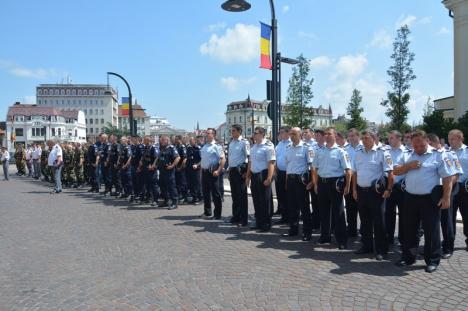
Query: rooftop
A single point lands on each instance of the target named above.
(34, 110)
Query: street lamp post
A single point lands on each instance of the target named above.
(130, 105)
(240, 6)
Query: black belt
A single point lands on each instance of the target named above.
(298, 176)
(259, 173)
(365, 189)
(329, 179)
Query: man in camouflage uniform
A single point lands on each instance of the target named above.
(20, 157)
(68, 160)
(85, 163)
(44, 167)
(78, 161)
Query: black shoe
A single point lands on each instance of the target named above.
(430, 268)
(231, 220)
(217, 217)
(132, 199)
(154, 204)
(244, 225)
(115, 194)
(265, 229)
(380, 257)
(341, 246)
(172, 207)
(447, 255)
(306, 237)
(323, 241)
(362, 251)
(404, 263)
(291, 233)
(91, 190)
(281, 221)
(164, 204)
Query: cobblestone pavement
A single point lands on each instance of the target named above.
(78, 251)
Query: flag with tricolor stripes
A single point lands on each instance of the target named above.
(125, 106)
(265, 34)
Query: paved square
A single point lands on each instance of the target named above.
(78, 251)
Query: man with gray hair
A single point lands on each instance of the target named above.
(55, 162)
(5, 159)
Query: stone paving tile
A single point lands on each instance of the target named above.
(79, 251)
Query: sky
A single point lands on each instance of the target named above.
(186, 60)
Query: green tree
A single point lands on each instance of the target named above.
(112, 129)
(401, 74)
(354, 110)
(299, 95)
(462, 125)
(435, 123)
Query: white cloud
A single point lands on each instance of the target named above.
(216, 27)
(233, 84)
(350, 66)
(22, 72)
(320, 61)
(285, 8)
(381, 40)
(307, 35)
(238, 44)
(411, 19)
(443, 31)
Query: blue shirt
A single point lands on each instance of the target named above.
(371, 165)
(397, 154)
(299, 158)
(456, 167)
(434, 166)
(261, 155)
(238, 152)
(331, 162)
(211, 153)
(281, 154)
(462, 154)
(352, 152)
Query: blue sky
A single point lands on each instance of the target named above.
(186, 60)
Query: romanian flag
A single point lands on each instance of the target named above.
(265, 33)
(125, 106)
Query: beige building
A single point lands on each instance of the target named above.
(447, 105)
(459, 11)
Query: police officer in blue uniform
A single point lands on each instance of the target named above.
(299, 156)
(446, 221)
(260, 176)
(193, 170)
(149, 173)
(280, 178)
(103, 153)
(238, 157)
(125, 168)
(137, 151)
(397, 151)
(168, 160)
(181, 179)
(370, 166)
(331, 164)
(461, 200)
(212, 163)
(92, 154)
(424, 167)
(354, 139)
(114, 160)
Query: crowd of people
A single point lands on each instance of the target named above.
(324, 179)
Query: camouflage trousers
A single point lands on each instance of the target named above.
(68, 174)
(21, 167)
(79, 174)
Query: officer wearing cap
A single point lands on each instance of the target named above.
(103, 170)
(260, 176)
(180, 175)
(92, 155)
(193, 170)
(354, 138)
(280, 179)
(113, 160)
(148, 167)
(424, 167)
(369, 166)
(331, 163)
(137, 151)
(446, 221)
(455, 138)
(397, 151)
(212, 163)
(299, 156)
(319, 141)
(167, 162)
(238, 157)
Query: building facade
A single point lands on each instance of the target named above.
(447, 105)
(252, 113)
(459, 13)
(35, 124)
(98, 102)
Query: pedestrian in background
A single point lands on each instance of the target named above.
(5, 159)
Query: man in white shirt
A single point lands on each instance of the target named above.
(36, 158)
(55, 162)
(29, 151)
(5, 159)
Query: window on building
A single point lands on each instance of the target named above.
(90, 121)
(53, 131)
(76, 133)
(234, 119)
(59, 130)
(102, 102)
(91, 130)
(102, 111)
(249, 131)
(19, 132)
(86, 121)
(96, 121)
(39, 102)
(97, 130)
(96, 111)
(90, 111)
(102, 121)
(79, 101)
(240, 119)
(45, 101)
